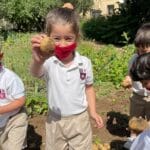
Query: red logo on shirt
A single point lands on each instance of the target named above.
(2, 94)
(82, 74)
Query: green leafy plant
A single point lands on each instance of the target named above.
(36, 104)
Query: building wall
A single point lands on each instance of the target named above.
(105, 7)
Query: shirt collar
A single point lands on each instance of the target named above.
(77, 59)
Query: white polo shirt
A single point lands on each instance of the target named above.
(66, 85)
(11, 88)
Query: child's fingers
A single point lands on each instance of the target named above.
(99, 122)
(37, 38)
(35, 45)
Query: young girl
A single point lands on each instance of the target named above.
(69, 81)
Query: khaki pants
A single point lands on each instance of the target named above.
(139, 106)
(13, 135)
(69, 133)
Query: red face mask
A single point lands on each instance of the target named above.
(63, 52)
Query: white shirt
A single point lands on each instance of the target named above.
(66, 85)
(11, 88)
(142, 142)
(137, 86)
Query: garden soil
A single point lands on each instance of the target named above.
(114, 109)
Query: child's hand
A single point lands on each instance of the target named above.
(98, 120)
(37, 54)
(127, 82)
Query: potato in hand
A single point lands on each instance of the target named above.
(138, 125)
(47, 45)
(127, 82)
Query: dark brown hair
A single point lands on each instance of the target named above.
(142, 38)
(62, 16)
(140, 69)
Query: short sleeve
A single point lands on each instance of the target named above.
(89, 77)
(15, 89)
(142, 142)
(131, 61)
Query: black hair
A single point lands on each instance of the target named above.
(140, 69)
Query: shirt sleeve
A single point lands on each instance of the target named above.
(142, 142)
(134, 57)
(89, 77)
(15, 89)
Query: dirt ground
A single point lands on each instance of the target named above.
(114, 109)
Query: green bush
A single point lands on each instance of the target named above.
(29, 15)
(108, 30)
(26, 15)
(93, 27)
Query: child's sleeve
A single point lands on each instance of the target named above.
(131, 62)
(89, 77)
(15, 89)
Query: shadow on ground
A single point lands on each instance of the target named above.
(117, 145)
(117, 124)
(34, 140)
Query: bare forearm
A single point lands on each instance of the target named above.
(12, 106)
(36, 68)
(92, 106)
(91, 99)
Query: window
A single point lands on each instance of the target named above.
(110, 9)
(95, 13)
